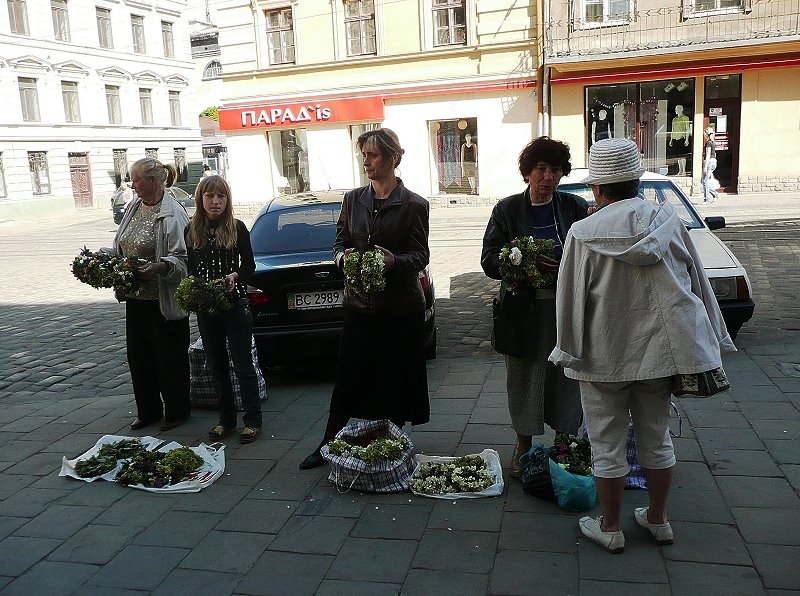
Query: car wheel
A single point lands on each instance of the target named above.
(430, 347)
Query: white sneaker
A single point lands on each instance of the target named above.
(661, 532)
(613, 542)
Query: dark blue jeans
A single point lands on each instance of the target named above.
(235, 325)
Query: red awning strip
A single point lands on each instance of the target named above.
(686, 71)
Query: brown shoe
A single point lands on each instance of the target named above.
(249, 435)
(219, 431)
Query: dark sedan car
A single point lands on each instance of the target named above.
(297, 292)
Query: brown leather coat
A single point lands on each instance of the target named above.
(401, 226)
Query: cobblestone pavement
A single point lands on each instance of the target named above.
(267, 528)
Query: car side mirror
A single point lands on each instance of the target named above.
(715, 222)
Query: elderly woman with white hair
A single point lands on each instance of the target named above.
(634, 309)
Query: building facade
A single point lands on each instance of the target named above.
(88, 88)
(301, 80)
(660, 73)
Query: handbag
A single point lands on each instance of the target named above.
(545, 479)
(201, 388)
(513, 324)
(386, 476)
(704, 384)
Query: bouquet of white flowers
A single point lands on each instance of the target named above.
(518, 263)
(363, 272)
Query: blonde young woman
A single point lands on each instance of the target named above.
(219, 247)
(157, 331)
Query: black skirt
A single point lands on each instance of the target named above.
(381, 371)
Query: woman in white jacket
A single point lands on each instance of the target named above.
(634, 309)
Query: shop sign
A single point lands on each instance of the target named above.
(360, 109)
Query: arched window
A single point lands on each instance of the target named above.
(213, 70)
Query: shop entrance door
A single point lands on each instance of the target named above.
(722, 111)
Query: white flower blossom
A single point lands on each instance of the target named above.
(515, 256)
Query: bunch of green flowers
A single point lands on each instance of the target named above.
(518, 263)
(205, 298)
(107, 457)
(377, 450)
(572, 453)
(102, 270)
(154, 469)
(363, 272)
(462, 475)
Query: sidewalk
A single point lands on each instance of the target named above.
(267, 528)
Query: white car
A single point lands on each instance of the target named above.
(728, 278)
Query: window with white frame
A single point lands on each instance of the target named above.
(112, 104)
(449, 22)
(213, 70)
(18, 17)
(175, 108)
(3, 192)
(166, 36)
(137, 32)
(179, 153)
(104, 28)
(714, 5)
(29, 99)
(72, 107)
(605, 11)
(146, 105)
(40, 175)
(280, 36)
(60, 19)
(359, 22)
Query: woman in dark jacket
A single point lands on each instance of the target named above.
(538, 392)
(219, 247)
(381, 371)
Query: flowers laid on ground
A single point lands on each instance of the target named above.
(363, 272)
(155, 469)
(518, 263)
(462, 475)
(572, 453)
(376, 450)
(205, 298)
(102, 270)
(107, 458)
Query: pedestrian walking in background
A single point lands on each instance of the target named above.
(538, 392)
(381, 371)
(219, 248)
(157, 331)
(710, 184)
(634, 308)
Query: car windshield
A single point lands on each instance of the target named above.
(655, 190)
(302, 229)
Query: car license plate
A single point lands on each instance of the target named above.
(309, 300)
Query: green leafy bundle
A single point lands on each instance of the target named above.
(107, 457)
(462, 475)
(363, 272)
(102, 270)
(205, 298)
(154, 469)
(375, 451)
(518, 264)
(573, 454)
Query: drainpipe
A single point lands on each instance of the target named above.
(542, 70)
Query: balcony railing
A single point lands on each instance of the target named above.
(674, 27)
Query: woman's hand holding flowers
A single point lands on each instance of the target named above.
(151, 270)
(388, 257)
(546, 264)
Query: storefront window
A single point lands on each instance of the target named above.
(356, 131)
(657, 115)
(290, 155)
(454, 146)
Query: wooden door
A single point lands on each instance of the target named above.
(81, 179)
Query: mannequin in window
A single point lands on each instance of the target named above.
(601, 127)
(679, 138)
(469, 162)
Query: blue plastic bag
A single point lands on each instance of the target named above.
(573, 492)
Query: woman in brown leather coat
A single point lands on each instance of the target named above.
(381, 370)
